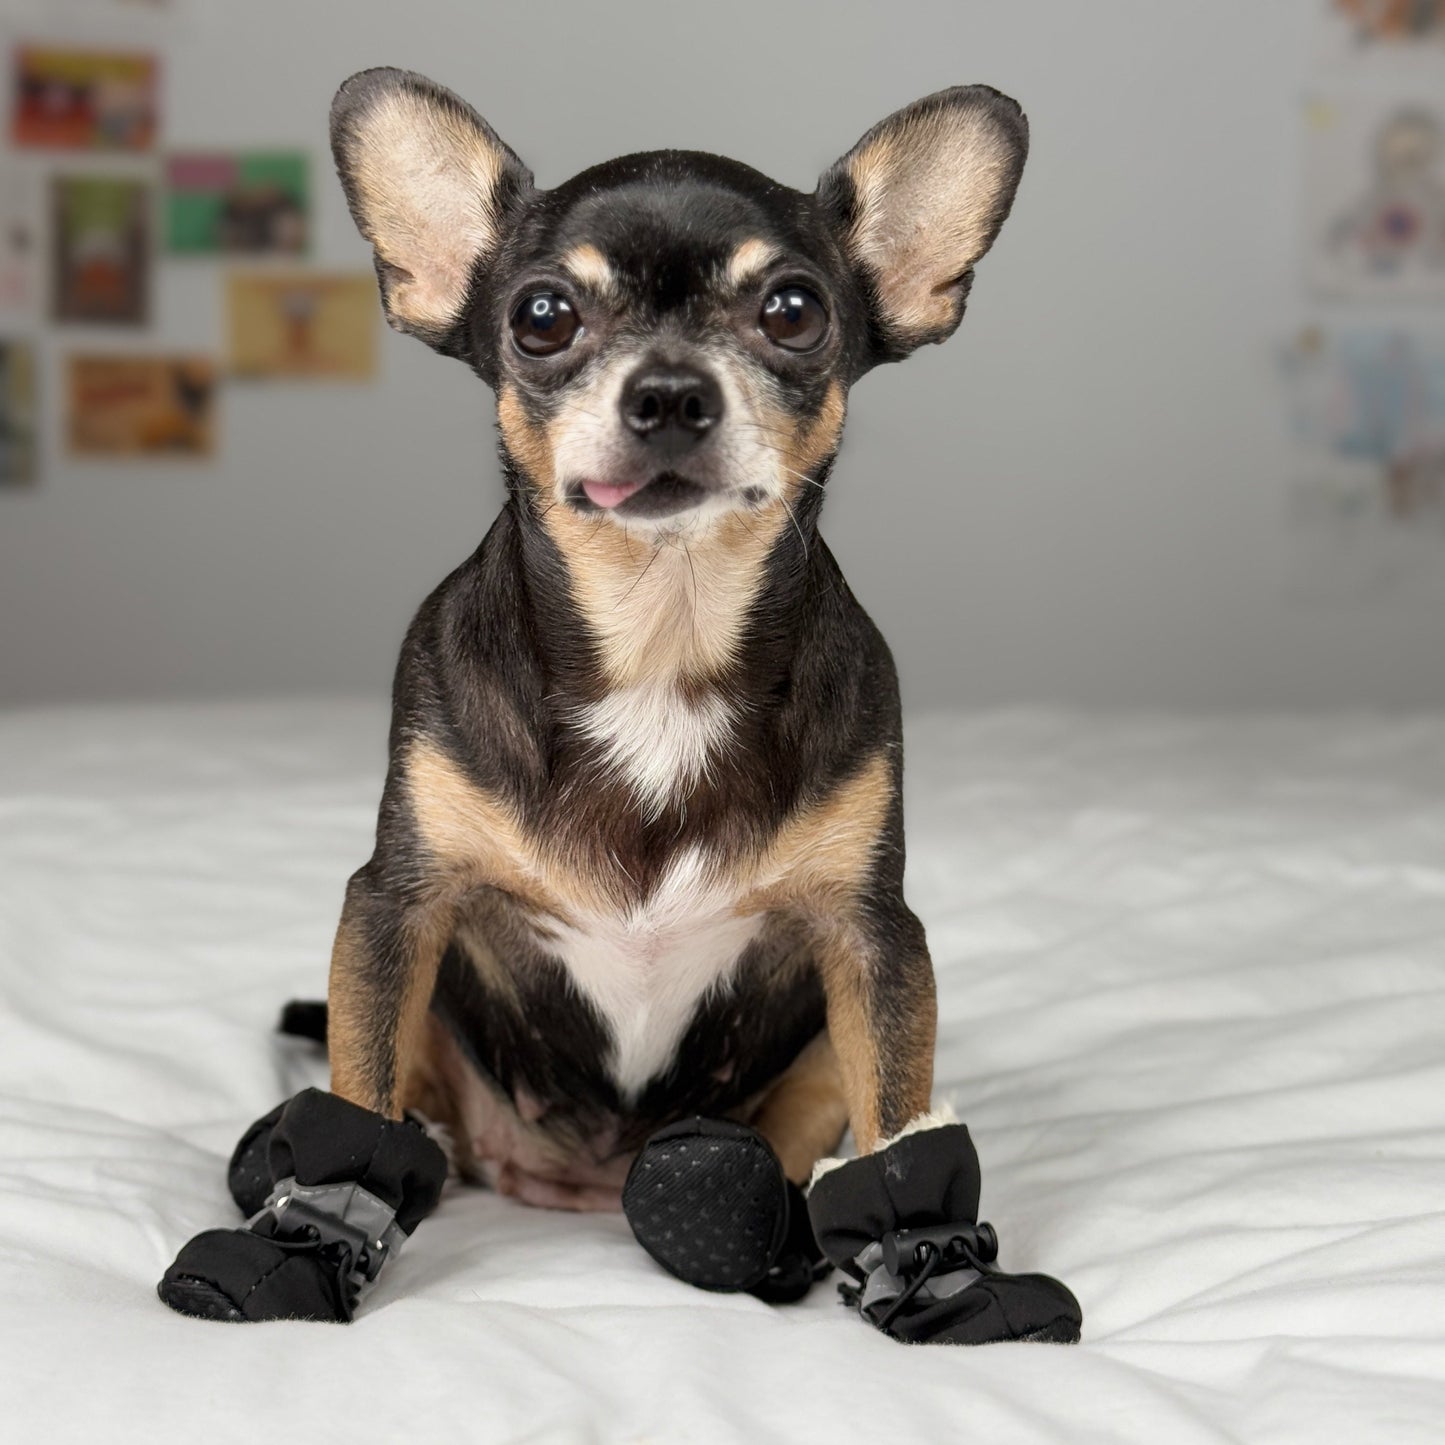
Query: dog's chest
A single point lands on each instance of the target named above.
(646, 968)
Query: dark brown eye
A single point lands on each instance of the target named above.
(544, 324)
(794, 319)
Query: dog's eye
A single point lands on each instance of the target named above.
(544, 324)
(793, 318)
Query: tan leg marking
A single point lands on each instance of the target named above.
(804, 1115)
(352, 1034)
(820, 857)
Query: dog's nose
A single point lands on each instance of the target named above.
(671, 407)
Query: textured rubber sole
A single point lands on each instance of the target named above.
(199, 1298)
(708, 1201)
(1061, 1332)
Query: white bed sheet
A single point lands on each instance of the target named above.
(1192, 999)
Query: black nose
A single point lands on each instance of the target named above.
(671, 407)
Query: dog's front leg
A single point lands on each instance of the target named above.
(902, 1218)
(384, 963)
(882, 1015)
(349, 1179)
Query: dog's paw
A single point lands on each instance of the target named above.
(239, 1275)
(708, 1200)
(903, 1223)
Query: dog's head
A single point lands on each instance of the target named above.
(672, 335)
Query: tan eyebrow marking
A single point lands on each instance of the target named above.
(589, 266)
(752, 256)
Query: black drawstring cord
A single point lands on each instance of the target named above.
(927, 1268)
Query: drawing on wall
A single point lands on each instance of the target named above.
(1373, 23)
(101, 253)
(303, 324)
(1375, 197)
(83, 99)
(1366, 409)
(141, 406)
(20, 216)
(252, 202)
(18, 414)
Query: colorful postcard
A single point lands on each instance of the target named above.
(141, 406)
(254, 202)
(84, 99)
(18, 416)
(101, 249)
(311, 324)
(20, 224)
(1366, 496)
(1375, 196)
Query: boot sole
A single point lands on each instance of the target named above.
(199, 1298)
(710, 1207)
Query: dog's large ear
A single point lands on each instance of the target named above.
(919, 200)
(430, 185)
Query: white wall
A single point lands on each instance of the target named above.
(1079, 498)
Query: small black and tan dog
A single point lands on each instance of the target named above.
(634, 930)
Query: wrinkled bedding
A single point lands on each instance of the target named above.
(1192, 1004)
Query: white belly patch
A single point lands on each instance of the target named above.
(646, 970)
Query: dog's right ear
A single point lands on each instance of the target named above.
(430, 185)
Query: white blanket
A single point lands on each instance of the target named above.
(1192, 1003)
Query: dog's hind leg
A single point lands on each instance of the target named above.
(804, 1115)
(718, 1202)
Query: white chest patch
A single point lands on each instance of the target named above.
(659, 742)
(645, 971)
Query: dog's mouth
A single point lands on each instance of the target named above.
(661, 496)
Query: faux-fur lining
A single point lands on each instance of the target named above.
(934, 1119)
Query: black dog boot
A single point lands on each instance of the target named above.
(904, 1224)
(709, 1201)
(345, 1188)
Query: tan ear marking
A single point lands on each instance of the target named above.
(931, 187)
(422, 173)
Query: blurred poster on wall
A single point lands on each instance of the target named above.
(18, 414)
(83, 99)
(20, 227)
(1366, 407)
(1375, 195)
(101, 249)
(1374, 27)
(141, 406)
(253, 202)
(303, 324)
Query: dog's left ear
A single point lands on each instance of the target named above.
(918, 201)
(431, 186)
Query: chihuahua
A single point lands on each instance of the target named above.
(633, 934)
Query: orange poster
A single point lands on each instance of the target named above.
(141, 406)
(317, 324)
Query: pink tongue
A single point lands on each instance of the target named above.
(607, 494)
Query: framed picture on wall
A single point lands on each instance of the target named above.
(121, 406)
(83, 99)
(18, 415)
(303, 324)
(21, 211)
(1375, 195)
(100, 244)
(250, 202)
